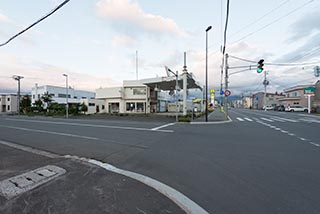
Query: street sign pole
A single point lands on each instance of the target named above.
(309, 103)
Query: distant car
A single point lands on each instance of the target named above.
(296, 108)
(280, 108)
(268, 108)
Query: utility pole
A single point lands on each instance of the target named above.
(67, 96)
(265, 83)
(185, 84)
(18, 78)
(226, 88)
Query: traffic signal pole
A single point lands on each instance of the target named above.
(226, 88)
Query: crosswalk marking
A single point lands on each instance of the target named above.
(286, 119)
(276, 119)
(266, 119)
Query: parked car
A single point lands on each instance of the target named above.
(280, 108)
(268, 108)
(296, 108)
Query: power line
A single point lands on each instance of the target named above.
(277, 64)
(35, 23)
(274, 21)
(260, 18)
(310, 53)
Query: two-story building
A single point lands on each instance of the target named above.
(272, 99)
(58, 94)
(295, 96)
(8, 103)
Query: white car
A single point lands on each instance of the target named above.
(296, 108)
(268, 108)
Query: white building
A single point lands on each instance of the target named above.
(58, 94)
(145, 95)
(8, 103)
(94, 106)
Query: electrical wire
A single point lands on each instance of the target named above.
(35, 23)
(260, 18)
(277, 64)
(274, 21)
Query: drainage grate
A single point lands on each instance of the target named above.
(22, 183)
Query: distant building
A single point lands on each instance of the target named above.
(295, 96)
(145, 95)
(8, 103)
(58, 94)
(272, 99)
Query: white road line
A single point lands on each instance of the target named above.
(277, 119)
(291, 134)
(89, 125)
(315, 144)
(284, 131)
(181, 200)
(185, 203)
(240, 119)
(286, 119)
(266, 119)
(248, 119)
(160, 127)
(50, 132)
(303, 139)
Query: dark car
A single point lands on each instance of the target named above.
(281, 108)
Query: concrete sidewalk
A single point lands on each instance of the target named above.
(215, 116)
(84, 188)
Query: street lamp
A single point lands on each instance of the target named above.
(209, 28)
(67, 106)
(18, 78)
(177, 86)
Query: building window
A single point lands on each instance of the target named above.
(64, 95)
(33, 96)
(75, 97)
(8, 99)
(114, 107)
(139, 91)
(130, 107)
(92, 104)
(296, 103)
(83, 97)
(8, 108)
(52, 95)
(140, 107)
(102, 107)
(38, 96)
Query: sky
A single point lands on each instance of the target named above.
(95, 42)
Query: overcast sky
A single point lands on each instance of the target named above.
(95, 41)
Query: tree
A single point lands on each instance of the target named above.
(38, 105)
(25, 104)
(47, 100)
(83, 107)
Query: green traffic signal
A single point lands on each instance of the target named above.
(260, 66)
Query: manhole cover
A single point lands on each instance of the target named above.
(30, 180)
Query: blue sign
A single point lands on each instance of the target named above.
(221, 92)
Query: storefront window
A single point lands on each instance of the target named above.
(114, 107)
(140, 107)
(130, 107)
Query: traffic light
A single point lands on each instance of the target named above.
(260, 66)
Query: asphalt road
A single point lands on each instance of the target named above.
(262, 162)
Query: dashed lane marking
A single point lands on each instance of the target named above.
(240, 119)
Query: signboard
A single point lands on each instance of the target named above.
(221, 92)
(309, 90)
(227, 93)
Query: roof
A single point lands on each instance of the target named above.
(297, 87)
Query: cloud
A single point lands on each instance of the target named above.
(123, 40)
(45, 74)
(128, 12)
(309, 50)
(4, 18)
(305, 26)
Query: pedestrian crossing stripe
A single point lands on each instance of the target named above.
(276, 119)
